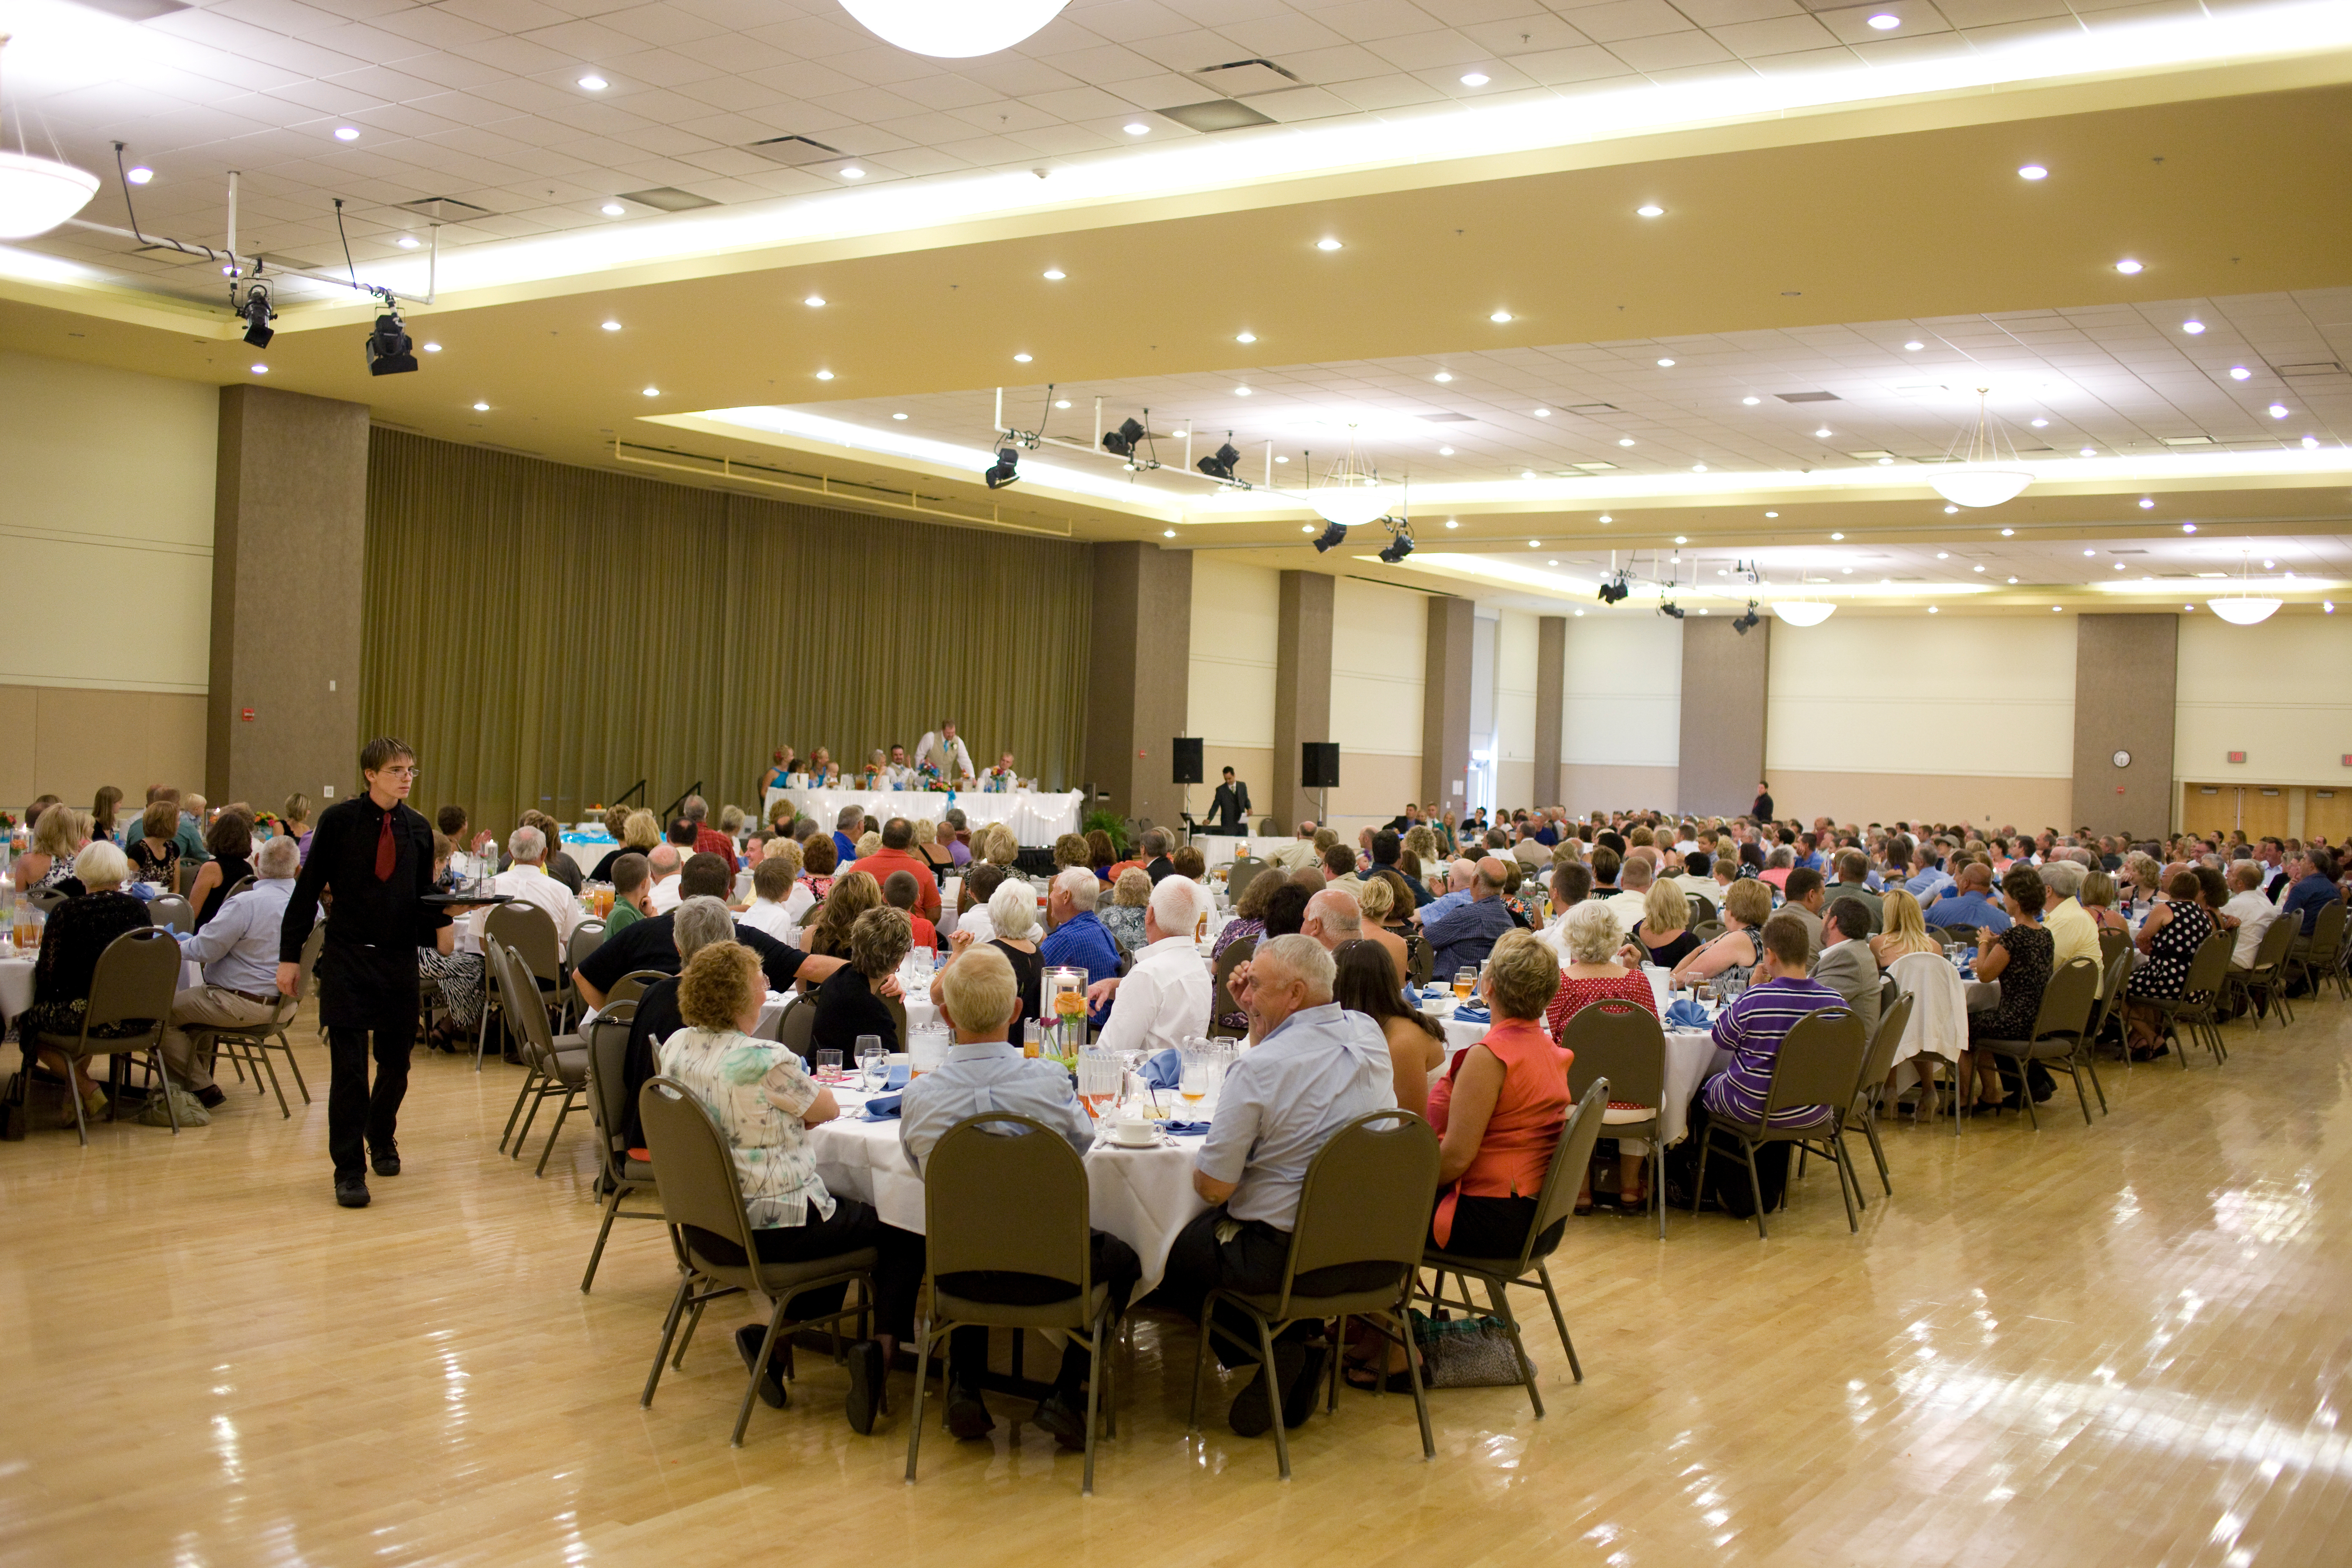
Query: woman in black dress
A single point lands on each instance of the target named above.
(2175, 929)
(849, 1003)
(2019, 958)
(78, 931)
(230, 841)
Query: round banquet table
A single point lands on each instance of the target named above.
(1691, 1055)
(16, 985)
(1036, 818)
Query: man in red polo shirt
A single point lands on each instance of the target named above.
(896, 855)
(707, 841)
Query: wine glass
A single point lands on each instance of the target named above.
(1101, 1076)
(1465, 980)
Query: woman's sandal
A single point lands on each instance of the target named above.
(1361, 1376)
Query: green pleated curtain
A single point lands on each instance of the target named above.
(545, 636)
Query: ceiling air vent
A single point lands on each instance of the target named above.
(669, 199)
(1223, 114)
(795, 150)
(1450, 419)
(2186, 440)
(1591, 409)
(1239, 79)
(445, 209)
(135, 10)
(1808, 396)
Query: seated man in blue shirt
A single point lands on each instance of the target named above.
(1079, 940)
(1971, 902)
(2313, 889)
(1463, 936)
(238, 948)
(977, 997)
(845, 823)
(1314, 1070)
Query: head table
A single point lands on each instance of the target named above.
(1036, 818)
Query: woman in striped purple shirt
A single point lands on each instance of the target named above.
(1752, 1028)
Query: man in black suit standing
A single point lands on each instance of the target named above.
(374, 855)
(1229, 811)
(1762, 810)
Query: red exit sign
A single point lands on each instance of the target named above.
(2237, 756)
(248, 715)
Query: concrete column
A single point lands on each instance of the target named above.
(289, 543)
(1142, 660)
(1302, 692)
(1552, 695)
(1724, 680)
(2125, 669)
(1445, 704)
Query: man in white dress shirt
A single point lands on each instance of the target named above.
(528, 881)
(665, 863)
(2255, 913)
(1164, 998)
(944, 751)
(1634, 877)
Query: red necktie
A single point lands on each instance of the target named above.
(387, 852)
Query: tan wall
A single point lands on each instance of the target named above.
(1604, 786)
(2281, 692)
(68, 740)
(1516, 638)
(1981, 800)
(1378, 644)
(1236, 617)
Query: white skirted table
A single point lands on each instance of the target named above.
(1691, 1055)
(1037, 819)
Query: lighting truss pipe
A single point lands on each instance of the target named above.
(259, 263)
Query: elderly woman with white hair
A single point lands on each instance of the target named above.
(1593, 974)
(78, 931)
(1013, 931)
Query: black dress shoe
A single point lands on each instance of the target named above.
(968, 1416)
(866, 1370)
(1299, 1395)
(386, 1161)
(1065, 1420)
(748, 1339)
(1252, 1412)
(351, 1191)
(212, 1097)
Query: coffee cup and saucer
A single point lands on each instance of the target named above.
(1130, 1133)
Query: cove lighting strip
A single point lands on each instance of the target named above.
(1507, 570)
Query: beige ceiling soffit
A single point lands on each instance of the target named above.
(851, 493)
(114, 302)
(1943, 109)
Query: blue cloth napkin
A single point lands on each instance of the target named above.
(1471, 1013)
(883, 1106)
(1186, 1129)
(1686, 1014)
(897, 1075)
(1165, 1070)
(1435, 991)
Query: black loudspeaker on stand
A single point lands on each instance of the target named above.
(1187, 749)
(1319, 765)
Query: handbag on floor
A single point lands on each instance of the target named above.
(1465, 1352)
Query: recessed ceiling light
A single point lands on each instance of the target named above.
(1666, 365)
(2278, 410)
(1282, 459)
(1241, 391)
(481, 408)
(1442, 375)
(1326, 244)
(2040, 423)
(2239, 372)
(2144, 503)
(1136, 128)
(1606, 518)
(1887, 21)
(1914, 347)
(2187, 528)
(1771, 514)
(825, 375)
(139, 174)
(1452, 522)
(1680, 540)
(2088, 452)
(594, 83)
(1054, 274)
(406, 242)
(1244, 337)
(2311, 441)
(1551, 562)
(2270, 566)
(1580, 614)
(347, 132)
(1822, 434)
(897, 417)
(1543, 412)
(1625, 440)
(1167, 533)
(1527, 474)
(1019, 359)
(2030, 170)
(1886, 462)
(1698, 468)
(2013, 579)
(433, 348)
(1943, 555)
(1535, 543)
(612, 209)
(1499, 317)
(1445, 451)
(2008, 532)
(653, 392)
(611, 326)
(1751, 402)
(814, 301)
(2053, 609)
(1650, 209)
(1474, 78)
(1847, 570)
(1061, 403)
(2128, 266)
(2119, 565)
(2090, 553)
(1305, 527)
(852, 173)
(1949, 510)
(2192, 326)
(1931, 609)
(1837, 538)
(1977, 568)
(261, 370)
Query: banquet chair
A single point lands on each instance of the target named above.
(1819, 1063)
(1421, 958)
(970, 1229)
(621, 1175)
(1940, 1013)
(2112, 942)
(2111, 1002)
(1870, 1092)
(239, 886)
(2061, 1033)
(1220, 993)
(1627, 1046)
(172, 913)
(1366, 1200)
(2320, 956)
(136, 979)
(1706, 930)
(631, 986)
(586, 938)
(1702, 909)
(1554, 1206)
(251, 1046)
(2200, 992)
(555, 1066)
(1245, 870)
(530, 930)
(699, 1190)
(797, 1027)
(2266, 974)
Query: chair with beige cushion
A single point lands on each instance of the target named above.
(555, 1065)
(1627, 1046)
(621, 1175)
(1818, 1064)
(530, 930)
(2061, 1033)
(699, 1190)
(134, 982)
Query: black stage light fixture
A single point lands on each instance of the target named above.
(1335, 534)
(257, 315)
(1122, 442)
(389, 350)
(1750, 619)
(1668, 607)
(1006, 469)
(1219, 465)
(1398, 548)
(1614, 590)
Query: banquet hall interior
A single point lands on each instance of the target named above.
(1708, 474)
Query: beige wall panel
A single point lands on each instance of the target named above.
(1599, 786)
(1253, 764)
(20, 770)
(1980, 800)
(1373, 787)
(1622, 695)
(68, 740)
(2281, 692)
(1236, 620)
(1515, 704)
(1515, 785)
(109, 477)
(1378, 642)
(1946, 695)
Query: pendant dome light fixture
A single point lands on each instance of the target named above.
(2241, 608)
(1351, 493)
(1806, 610)
(953, 30)
(1981, 476)
(38, 194)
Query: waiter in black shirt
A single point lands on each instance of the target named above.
(373, 858)
(1229, 809)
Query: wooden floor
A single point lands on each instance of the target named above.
(2121, 1345)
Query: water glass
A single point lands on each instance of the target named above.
(1101, 1076)
(873, 1063)
(1203, 1070)
(828, 1064)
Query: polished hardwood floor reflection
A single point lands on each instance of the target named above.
(2121, 1344)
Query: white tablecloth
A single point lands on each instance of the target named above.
(1691, 1055)
(1219, 849)
(1036, 820)
(587, 854)
(1143, 1196)
(16, 984)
